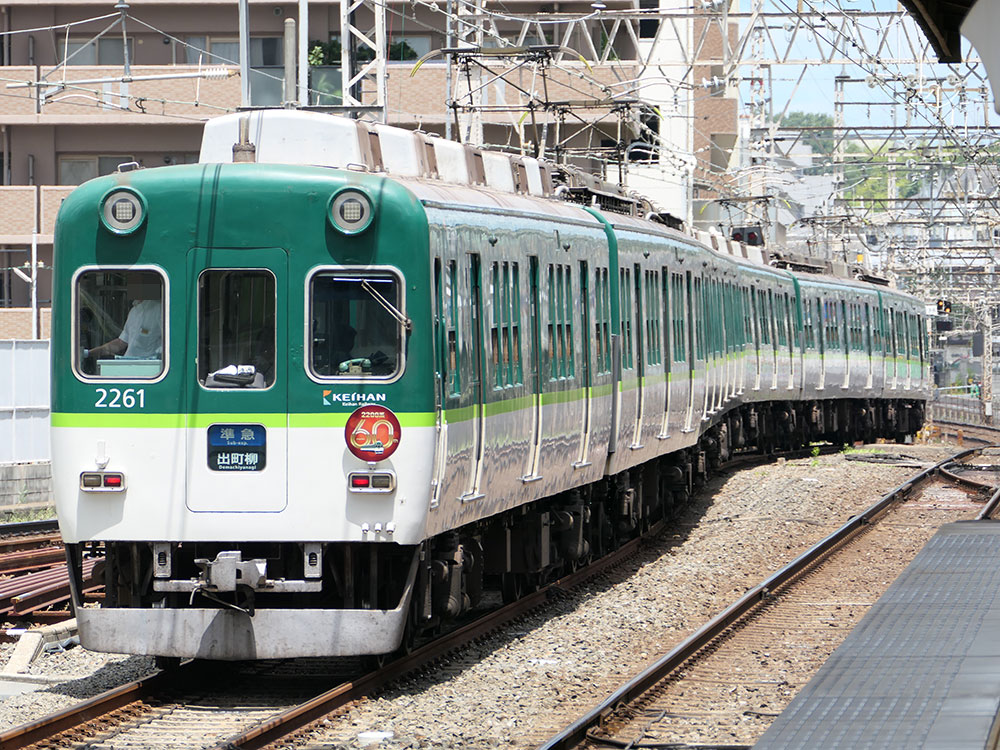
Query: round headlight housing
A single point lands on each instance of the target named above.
(351, 211)
(123, 211)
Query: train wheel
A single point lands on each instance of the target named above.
(512, 587)
(167, 663)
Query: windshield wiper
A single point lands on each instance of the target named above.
(389, 307)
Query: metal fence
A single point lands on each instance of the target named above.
(24, 401)
(961, 404)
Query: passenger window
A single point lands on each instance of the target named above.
(355, 325)
(236, 333)
(119, 324)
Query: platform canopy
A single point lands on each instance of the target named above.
(945, 22)
(942, 21)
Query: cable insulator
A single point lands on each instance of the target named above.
(216, 74)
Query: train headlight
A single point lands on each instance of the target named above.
(351, 211)
(123, 211)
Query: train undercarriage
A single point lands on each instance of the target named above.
(511, 554)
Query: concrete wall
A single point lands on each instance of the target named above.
(26, 483)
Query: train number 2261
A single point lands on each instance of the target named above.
(115, 398)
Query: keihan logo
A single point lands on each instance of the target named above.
(351, 399)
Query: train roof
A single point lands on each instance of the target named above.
(439, 171)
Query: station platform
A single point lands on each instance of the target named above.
(922, 668)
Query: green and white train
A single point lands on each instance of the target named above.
(319, 391)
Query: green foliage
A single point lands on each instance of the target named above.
(820, 140)
(324, 53)
(871, 180)
(328, 53)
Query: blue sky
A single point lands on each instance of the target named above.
(816, 91)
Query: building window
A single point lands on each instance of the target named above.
(103, 51)
(408, 48)
(264, 50)
(76, 170)
(649, 26)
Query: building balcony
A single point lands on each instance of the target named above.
(75, 98)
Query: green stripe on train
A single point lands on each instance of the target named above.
(130, 420)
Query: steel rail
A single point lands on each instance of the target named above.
(29, 527)
(305, 713)
(576, 732)
(96, 707)
(965, 481)
(991, 505)
(297, 718)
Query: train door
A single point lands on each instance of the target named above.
(908, 348)
(821, 325)
(790, 323)
(845, 330)
(441, 369)
(477, 374)
(772, 325)
(868, 346)
(640, 353)
(892, 347)
(691, 325)
(535, 374)
(585, 369)
(237, 397)
(758, 336)
(667, 290)
(702, 341)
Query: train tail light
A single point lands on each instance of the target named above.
(102, 481)
(372, 481)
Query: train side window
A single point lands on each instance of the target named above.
(677, 315)
(653, 341)
(355, 326)
(119, 324)
(747, 315)
(626, 317)
(807, 325)
(499, 361)
(602, 320)
(236, 334)
(505, 331)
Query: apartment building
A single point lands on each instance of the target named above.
(69, 112)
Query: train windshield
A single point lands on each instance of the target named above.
(356, 325)
(119, 324)
(236, 329)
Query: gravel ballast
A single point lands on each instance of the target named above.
(514, 689)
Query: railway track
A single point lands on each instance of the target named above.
(739, 669)
(33, 575)
(976, 434)
(162, 701)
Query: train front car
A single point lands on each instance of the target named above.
(242, 408)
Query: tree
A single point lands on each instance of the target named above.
(820, 140)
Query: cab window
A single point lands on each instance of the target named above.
(119, 324)
(236, 334)
(355, 325)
